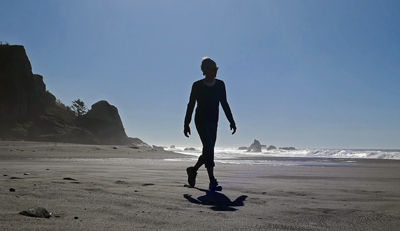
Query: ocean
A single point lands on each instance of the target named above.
(318, 156)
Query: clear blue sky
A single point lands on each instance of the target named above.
(309, 74)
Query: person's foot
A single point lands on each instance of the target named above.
(214, 185)
(192, 173)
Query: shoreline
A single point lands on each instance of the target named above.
(69, 151)
(37, 149)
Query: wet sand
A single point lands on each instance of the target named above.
(95, 187)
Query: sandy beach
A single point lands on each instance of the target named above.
(105, 187)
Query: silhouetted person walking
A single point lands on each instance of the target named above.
(208, 93)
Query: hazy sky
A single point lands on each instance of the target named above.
(309, 74)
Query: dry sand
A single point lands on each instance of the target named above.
(120, 188)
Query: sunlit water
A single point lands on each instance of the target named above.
(318, 156)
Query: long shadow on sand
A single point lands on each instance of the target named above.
(219, 201)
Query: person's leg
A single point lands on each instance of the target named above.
(192, 171)
(210, 137)
(199, 163)
(210, 172)
(200, 131)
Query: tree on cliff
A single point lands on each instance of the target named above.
(79, 107)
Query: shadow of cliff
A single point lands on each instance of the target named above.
(217, 200)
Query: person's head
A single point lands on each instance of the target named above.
(209, 67)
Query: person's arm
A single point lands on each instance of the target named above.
(227, 109)
(189, 111)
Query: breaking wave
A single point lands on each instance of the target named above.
(229, 153)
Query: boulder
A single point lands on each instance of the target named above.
(36, 212)
(255, 147)
(271, 147)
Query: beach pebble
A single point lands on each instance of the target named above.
(121, 182)
(76, 217)
(36, 212)
(27, 174)
(5, 175)
(12, 190)
(68, 178)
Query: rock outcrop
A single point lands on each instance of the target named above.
(104, 122)
(29, 112)
(271, 147)
(19, 99)
(255, 146)
(136, 142)
(158, 147)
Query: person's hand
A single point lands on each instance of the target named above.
(233, 127)
(186, 131)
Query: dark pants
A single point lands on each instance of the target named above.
(208, 134)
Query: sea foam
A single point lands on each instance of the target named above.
(232, 153)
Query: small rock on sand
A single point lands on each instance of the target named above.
(12, 190)
(36, 212)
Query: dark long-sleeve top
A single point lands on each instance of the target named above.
(208, 99)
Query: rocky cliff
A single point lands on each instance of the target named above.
(104, 122)
(29, 112)
(20, 97)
